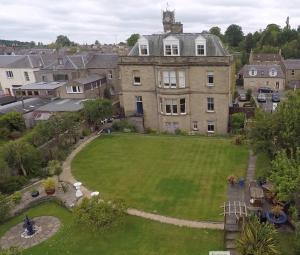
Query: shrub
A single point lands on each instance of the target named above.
(54, 167)
(13, 121)
(150, 131)
(239, 140)
(16, 197)
(5, 205)
(4, 133)
(249, 94)
(86, 132)
(99, 215)
(11, 184)
(178, 131)
(237, 122)
(121, 126)
(232, 179)
(49, 184)
(15, 135)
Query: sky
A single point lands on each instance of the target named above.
(112, 21)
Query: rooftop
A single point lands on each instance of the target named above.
(43, 85)
(62, 105)
(292, 63)
(262, 71)
(29, 105)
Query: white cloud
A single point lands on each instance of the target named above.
(114, 20)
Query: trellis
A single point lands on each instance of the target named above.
(235, 208)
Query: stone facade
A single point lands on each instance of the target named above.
(190, 114)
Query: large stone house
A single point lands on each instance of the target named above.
(178, 80)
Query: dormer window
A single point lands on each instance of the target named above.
(200, 43)
(171, 46)
(143, 46)
(273, 72)
(253, 72)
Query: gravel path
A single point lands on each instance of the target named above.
(67, 176)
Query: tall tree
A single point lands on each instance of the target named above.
(216, 31)
(63, 41)
(234, 35)
(132, 39)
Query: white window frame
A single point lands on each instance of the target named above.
(161, 105)
(181, 79)
(195, 126)
(159, 81)
(210, 74)
(169, 79)
(210, 102)
(143, 43)
(200, 41)
(109, 75)
(211, 123)
(174, 44)
(172, 103)
(26, 76)
(134, 75)
(182, 113)
(9, 74)
(70, 89)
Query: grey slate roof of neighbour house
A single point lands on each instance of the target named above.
(62, 105)
(263, 71)
(294, 85)
(292, 64)
(43, 85)
(89, 79)
(103, 61)
(30, 104)
(24, 61)
(262, 57)
(214, 46)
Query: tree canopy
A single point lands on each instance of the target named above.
(234, 35)
(63, 41)
(132, 39)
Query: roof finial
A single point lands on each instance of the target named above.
(167, 8)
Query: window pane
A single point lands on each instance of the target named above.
(175, 49)
(173, 79)
(137, 80)
(210, 104)
(182, 105)
(168, 50)
(166, 78)
(174, 108)
(210, 78)
(200, 49)
(181, 76)
(168, 108)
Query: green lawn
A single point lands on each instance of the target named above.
(179, 176)
(135, 237)
(286, 242)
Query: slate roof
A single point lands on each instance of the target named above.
(105, 61)
(294, 84)
(292, 64)
(261, 57)
(214, 46)
(62, 105)
(30, 104)
(89, 79)
(262, 71)
(43, 85)
(24, 61)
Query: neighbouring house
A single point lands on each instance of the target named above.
(292, 73)
(16, 71)
(263, 75)
(82, 68)
(265, 58)
(41, 89)
(177, 80)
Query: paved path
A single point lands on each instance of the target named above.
(175, 221)
(251, 167)
(67, 176)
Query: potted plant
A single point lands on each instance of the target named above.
(35, 193)
(49, 186)
(276, 211)
(232, 179)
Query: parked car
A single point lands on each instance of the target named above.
(261, 98)
(265, 90)
(242, 97)
(275, 98)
